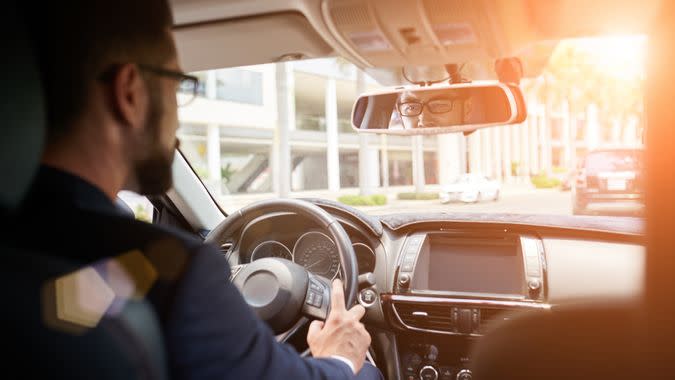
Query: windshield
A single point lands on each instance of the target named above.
(284, 130)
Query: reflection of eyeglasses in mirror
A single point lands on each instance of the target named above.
(436, 106)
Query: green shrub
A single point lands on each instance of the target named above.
(514, 168)
(559, 170)
(379, 199)
(363, 200)
(417, 196)
(542, 181)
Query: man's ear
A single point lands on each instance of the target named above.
(129, 96)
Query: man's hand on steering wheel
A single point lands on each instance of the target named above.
(342, 333)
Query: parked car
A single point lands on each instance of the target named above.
(470, 188)
(609, 178)
(567, 180)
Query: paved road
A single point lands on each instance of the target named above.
(522, 201)
(514, 198)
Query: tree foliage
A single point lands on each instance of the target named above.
(579, 74)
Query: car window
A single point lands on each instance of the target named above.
(588, 98)
(140, 205)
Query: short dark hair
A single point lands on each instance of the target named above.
(77, 40)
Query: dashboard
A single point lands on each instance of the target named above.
(442, 281)
(290, 237)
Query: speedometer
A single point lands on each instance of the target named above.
(318, 254)
(271, 248)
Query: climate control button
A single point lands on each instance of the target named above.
(428, 373)
(464, 374)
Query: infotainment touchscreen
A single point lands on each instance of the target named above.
(475, 265)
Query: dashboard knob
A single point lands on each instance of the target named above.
(534, 285)
(464, 374)
(404, 280)
(428, 373)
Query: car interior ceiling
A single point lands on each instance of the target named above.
(635, 339)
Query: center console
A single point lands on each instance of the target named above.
(451, 286)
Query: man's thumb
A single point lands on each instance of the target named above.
(314, 329)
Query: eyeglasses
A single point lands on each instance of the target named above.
(188, 85)
(436, 106)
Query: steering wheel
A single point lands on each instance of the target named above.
(282, 293)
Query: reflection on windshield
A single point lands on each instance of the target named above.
(284, 130)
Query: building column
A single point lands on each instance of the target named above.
(369, 160)
(592, 127)
(516, 148)
(384, 152)
(213, 142)
(463, 154)
(449, 155)
(332, 150)
(506, 152)
(566, 138)
(285, 123)
(418, 163)
(213, 158)
(545, 139)
(525, 168)
(475, 157)
(497, 152)
(486, 152)
(533, 139)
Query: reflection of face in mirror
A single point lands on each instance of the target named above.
(429, 109)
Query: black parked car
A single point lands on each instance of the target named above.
(609, 182)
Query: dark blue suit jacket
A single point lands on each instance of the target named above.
(209, 330)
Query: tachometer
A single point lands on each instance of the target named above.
(318, 254)
(271, 248)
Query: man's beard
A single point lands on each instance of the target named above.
(153, 171)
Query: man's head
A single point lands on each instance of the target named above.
(429, 108)
(108, 69)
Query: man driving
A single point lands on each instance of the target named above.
(111, 76)
(425, 108)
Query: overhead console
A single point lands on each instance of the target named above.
(389, 33)
(451, 285)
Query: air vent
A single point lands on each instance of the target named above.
(226, 249)
(428, 317)
(489, 317)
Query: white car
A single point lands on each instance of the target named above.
(470, 188)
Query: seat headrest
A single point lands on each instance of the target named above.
(23, 114)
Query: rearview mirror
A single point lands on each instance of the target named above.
(451, 108)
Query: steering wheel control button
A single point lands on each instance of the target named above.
(428, 373)
(534, 285)
(314, 299)
(464, 374)
(404, 280)
(367, 297)
(315, 286)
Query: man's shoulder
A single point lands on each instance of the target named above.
(88, 236)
